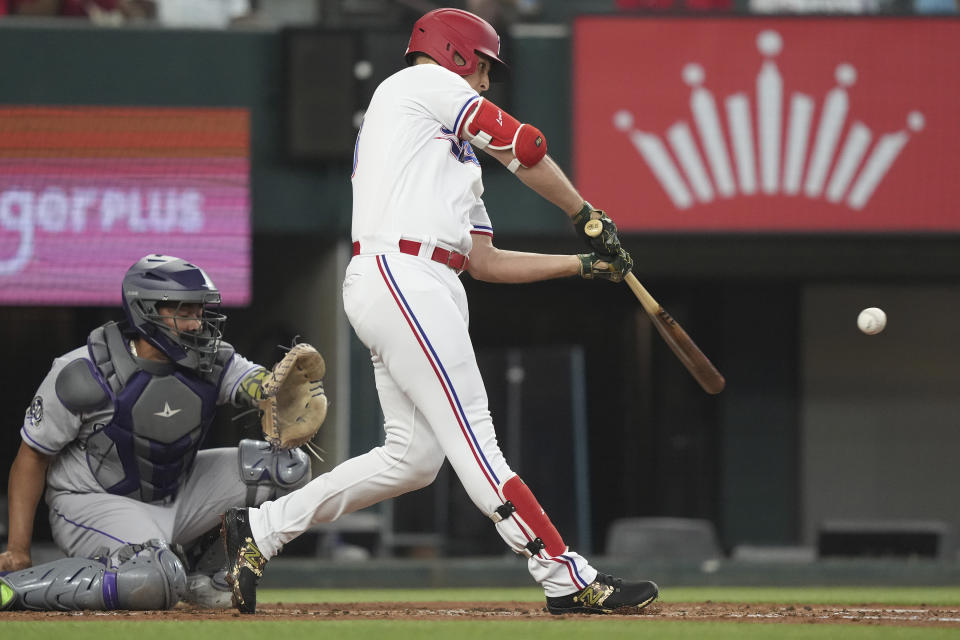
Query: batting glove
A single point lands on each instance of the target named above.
(605, 267)
(606, 242)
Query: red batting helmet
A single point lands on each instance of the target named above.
(444, 32)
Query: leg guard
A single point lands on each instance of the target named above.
(523, 506)
(261, 465)
(145, 576)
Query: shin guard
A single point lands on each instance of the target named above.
(147, 576)
(530, 516)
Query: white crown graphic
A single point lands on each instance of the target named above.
(771, 138)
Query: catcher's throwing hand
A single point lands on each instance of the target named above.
(606, 242)
(612, 268)
(294, 404)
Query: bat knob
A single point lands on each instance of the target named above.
(593, 228)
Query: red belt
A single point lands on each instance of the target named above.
(456, 261)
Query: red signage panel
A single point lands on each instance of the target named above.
(785, 124)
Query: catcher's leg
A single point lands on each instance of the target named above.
(89, 524)
(234, 477)
(224, 478)
(206, 566)
(142, 576)
(269, 472)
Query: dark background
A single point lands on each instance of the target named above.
(657, 444)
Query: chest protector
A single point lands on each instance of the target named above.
(161, 414)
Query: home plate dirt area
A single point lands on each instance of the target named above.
(865, 614)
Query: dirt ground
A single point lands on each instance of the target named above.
(865, 614)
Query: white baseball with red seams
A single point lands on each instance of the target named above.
(415, 180)
(872, 321)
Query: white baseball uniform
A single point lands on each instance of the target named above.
(416, 197)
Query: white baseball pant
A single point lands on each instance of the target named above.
(412, 315)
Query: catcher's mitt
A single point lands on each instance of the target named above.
(294, 404)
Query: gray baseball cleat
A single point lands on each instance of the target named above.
(606, 594)
(244, 561)
(208, 591)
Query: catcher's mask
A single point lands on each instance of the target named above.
(158, 281)
(444, 33)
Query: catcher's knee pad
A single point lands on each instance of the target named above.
(263, 464)
(148, 576)
(521, 505)
(487, 125)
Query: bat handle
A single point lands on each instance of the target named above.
(594, 228)
(650, 305)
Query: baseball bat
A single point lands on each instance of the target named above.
(672, 333)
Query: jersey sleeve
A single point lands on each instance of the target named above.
(236, 370)
(444, 95)
(479, 220)
(48, 426)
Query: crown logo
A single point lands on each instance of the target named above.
(807, 155)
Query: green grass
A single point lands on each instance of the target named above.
(552, 629)
(247, 628)
(932, 596)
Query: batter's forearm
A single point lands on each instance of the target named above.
(27, 481)
(548, 180)
(516, 267)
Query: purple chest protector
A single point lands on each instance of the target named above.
(161, 414)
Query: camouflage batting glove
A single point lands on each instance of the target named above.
(601, 267)
(607, 242)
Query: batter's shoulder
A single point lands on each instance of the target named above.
(425, 76)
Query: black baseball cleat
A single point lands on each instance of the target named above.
(606, 594)
(244, 561)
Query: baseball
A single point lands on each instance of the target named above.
(872, 321)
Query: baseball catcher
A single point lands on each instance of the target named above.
(113, 437)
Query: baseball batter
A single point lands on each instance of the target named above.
(113, 435)
(418, 222)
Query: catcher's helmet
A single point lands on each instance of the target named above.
(442, 33)
(158, 280)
